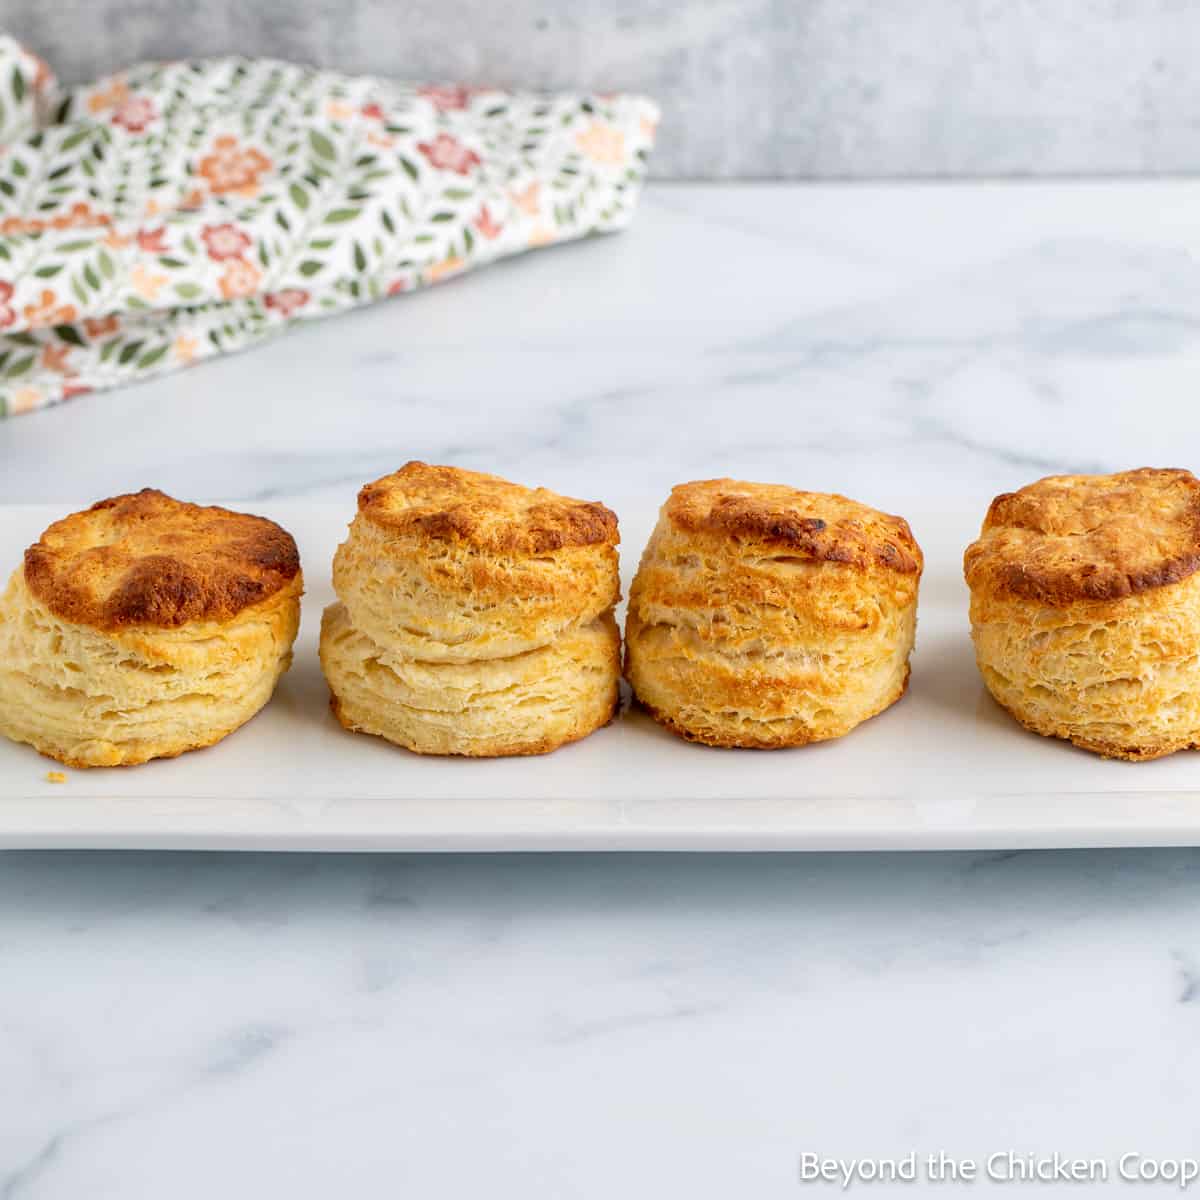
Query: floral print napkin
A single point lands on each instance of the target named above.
(184, 209)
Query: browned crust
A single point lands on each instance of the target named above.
(1133, 754)
(1068, 538)
(145, 559)
(812, 526)
(452, 505)
(721, 742)
(508, 750)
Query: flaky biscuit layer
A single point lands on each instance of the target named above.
(449, 601)
(529, 703)
(89, 698)
(443, 564)
(1122, 680)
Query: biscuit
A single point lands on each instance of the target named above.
(474, 615)
(1085, 609)
(144, 627)
(762, 616)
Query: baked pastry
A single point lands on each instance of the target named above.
(144, 627)
(1085, 609)
(763, 616)
(474, 615)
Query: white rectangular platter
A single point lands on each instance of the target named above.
(943, 769)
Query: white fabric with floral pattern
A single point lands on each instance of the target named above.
(183, 209)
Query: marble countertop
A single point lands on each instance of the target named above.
(590, 1026)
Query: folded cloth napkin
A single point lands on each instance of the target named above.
(183, 209)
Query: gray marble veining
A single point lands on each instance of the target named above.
(750, 88)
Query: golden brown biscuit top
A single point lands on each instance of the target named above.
(484, 511)
(146, 559)
(812, 526)
(1089, 537)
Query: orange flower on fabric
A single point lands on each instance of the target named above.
(224, 241)
(7, 313)
(48, 311)
(232, 168)
(484, 223)
(185, 348)
(397, 286)
(145, 282)
(116, 93)
(79, 216)
(446, 268)
(151, 240)
(602, 144)
(529, 199)
(96, 327)
(11, 226)
(55, 359)
(240, 279)
(449, 154)
(25, 400)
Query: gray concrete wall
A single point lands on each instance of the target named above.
(750, 88)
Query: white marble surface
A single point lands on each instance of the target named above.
(597, 1026)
